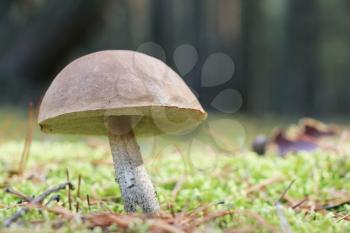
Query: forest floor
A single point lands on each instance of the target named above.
(201, 189)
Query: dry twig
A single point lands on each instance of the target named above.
(178, 186)
(18, 194)
(36, 201)
(285, 227)
(28, 141)
(78, 195)
(69, 191)
(27, 144)
(263, 184)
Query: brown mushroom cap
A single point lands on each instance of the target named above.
(115, 83)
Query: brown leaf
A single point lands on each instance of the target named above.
(314, 129)
(286, 145)
(305, 136)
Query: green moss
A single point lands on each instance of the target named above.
(226, 178)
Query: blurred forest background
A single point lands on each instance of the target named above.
(290, 56)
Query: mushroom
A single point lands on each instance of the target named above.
(121, 94)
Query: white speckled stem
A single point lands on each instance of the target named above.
(135, 184)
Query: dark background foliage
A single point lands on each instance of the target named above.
(290, 56)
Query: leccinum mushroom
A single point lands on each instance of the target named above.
(121, 94)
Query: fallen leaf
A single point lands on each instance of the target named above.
(286, 145)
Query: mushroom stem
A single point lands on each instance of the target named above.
(135, 184)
